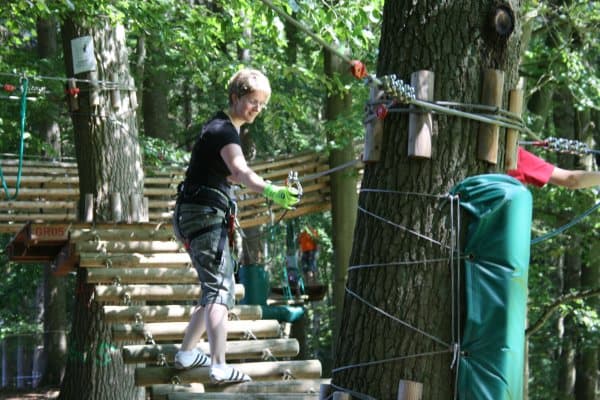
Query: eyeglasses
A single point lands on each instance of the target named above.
(255, 103)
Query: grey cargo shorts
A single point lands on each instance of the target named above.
(216, 276)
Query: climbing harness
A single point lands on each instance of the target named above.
(23, 113)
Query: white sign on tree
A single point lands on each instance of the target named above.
(82, 49)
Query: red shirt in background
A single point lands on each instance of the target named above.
(307, 240)
(531, 169)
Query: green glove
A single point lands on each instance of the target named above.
(285, 196)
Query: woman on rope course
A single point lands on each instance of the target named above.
(202, 214)
(538, 172)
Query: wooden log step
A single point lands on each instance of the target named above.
(242, 396)
(135, 260)
(171, 313)
(264, 370)
(173, 331)
(146, 246)
(141, 231)
(34, 181)
(266, 349)
(287, 386)
(160, 392)
(14, 205)
(142, 275)
(37, 218)
(127, 293)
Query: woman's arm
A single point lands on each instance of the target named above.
(240, 171)
(575, 179)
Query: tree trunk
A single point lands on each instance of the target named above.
(55, 319)
(456, 41)
(108, 161)
(157, 123)
(343, 190)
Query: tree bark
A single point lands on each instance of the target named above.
(109, 161)
(456, 41)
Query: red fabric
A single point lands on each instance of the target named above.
(307, 241)
(531, 169)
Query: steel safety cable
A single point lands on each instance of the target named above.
(370, 78)
(398, 320)
(566, 226)
(404, 228)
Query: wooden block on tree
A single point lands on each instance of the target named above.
(491, 95)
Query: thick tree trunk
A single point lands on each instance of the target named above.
(456, 41)
(109, 161)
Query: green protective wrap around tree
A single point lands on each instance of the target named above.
(496, 251)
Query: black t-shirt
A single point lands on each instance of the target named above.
(207, 167)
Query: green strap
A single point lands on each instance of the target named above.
(24, 84)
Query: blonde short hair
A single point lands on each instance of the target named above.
(246, 81)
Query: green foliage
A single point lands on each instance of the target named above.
(18, 292)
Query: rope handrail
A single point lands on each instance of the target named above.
(23, 114)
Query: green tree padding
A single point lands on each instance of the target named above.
(496, 253)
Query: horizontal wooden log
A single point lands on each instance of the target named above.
(125, 293)
(123, 232)
(134, 260)
(171, 313)
(22, 219)
(25, 206)
(266, 370)
(160, 392)
(242, 396)
(130, 246)
(278, 386)
(236, 350)
(142, 275)
(173, 331)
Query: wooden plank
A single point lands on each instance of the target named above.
(135, 232)
(135, 260)
(242, 396)
(174, 331)
(38, 205)
(133, 246)
(279, 386)
(236, 350)
(142, 275)
(267, 370)
(171, 313)
(179, 292)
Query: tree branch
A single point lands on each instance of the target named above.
(557, 303)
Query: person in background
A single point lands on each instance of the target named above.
(308, 253)
(202, 213)
(538, 172)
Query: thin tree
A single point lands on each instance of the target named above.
(456, 40)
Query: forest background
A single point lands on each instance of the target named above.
(181, 55)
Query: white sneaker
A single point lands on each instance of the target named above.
(227, 375)
(191, 359)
